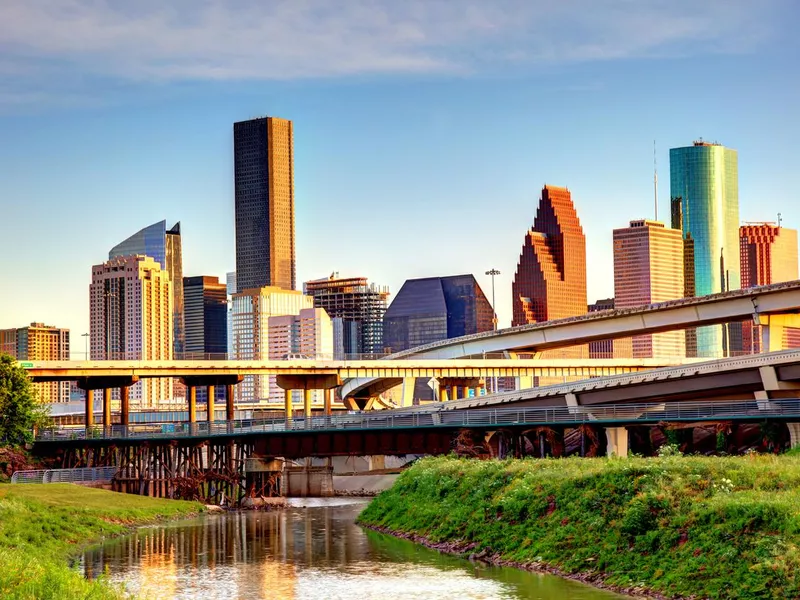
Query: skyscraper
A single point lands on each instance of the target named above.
(768, 255)
(205, 315)
(130, 317)
(435, 308)
(230, 285)
(164, 246)
(648, 268)
(357, 305)
(40, 342)
(263, 162)
(704, 190)
(550, 282)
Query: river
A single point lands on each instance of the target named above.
(311, 551)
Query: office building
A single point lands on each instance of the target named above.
(435, 308)
(263, 163)
(648, 268)
(164, 246)
(704, 190)
(550, 281)
(40, 342)
(357, 308)
(251, 341)
(601, 348)
(131, 318)
(205, 316)
(768, 254)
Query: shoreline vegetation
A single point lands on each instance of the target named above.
(669, 527)
(43, 526)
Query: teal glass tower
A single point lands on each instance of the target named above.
(704, 187)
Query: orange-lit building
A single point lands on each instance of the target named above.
(648, 268)
(768, 254)
(39, 342)
(550, 282)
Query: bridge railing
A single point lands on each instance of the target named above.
(82, 475)
(441, 417)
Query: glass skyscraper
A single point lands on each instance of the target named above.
(704, 187)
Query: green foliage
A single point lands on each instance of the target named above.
(684, 526)
(41, 526)
(19, 411)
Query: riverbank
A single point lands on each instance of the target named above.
(42, 526)
(675, 527)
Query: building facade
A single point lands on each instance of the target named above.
(131, 318)
(252, 310)
(263, 163)
(435, 308)
(704, 190)
(164, 246)
(550, 281)
(648, 268)
(40, 342)
(358, 308)
(768, 254)
(205, 316)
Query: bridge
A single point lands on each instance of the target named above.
(774, 307)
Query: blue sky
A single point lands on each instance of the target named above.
(424, 130)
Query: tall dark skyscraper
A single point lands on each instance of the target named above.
(263, 162)
(205, 315)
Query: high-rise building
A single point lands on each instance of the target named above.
(263, 163)
(40, 342)
(768, 254)
(131, 318)
(358, 307)
(230, 284)
(648, 268)
(164, 246)
(435, 308)
(205, 316)
(308, 334)
(251, 312)
(601, 348)
(704, 190)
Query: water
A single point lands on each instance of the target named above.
(315, 551)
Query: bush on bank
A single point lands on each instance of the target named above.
(41, 526)
(683, 526)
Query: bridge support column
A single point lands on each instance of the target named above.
(307, 404)
(124, 405)
(211, 405)
(107, 408)
(287, 406)
(794, 434)
(617, 438)
(229, 407)
(772, 330)
(192, 394)
(328, 402)
(89, 409)
(443, 393)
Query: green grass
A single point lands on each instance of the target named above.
(703, 526)
(42, 526)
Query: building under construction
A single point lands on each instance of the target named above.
(356, 308)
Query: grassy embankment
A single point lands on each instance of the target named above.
(681, 526)
(41, 526)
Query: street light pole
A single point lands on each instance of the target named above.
(85, 337)
(493, 272)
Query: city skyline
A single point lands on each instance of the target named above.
(164, 151)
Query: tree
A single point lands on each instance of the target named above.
(19, 410)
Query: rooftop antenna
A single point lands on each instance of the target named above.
(655, 180)
(779, 219)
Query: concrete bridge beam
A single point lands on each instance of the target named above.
(617, 440)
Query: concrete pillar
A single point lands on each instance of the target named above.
(794, 434)
(443, 393)
(524, 382)
(211, 405)
(408, 391)
(89, 408)
(617, 438)
(307, 403)
(106, 407)
(328, 402)
(287, 405)
(229, 406)
(124, 405)
(772, 330)
(191, 391)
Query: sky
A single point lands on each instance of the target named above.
(424, 129)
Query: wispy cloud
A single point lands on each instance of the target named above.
(185, 40)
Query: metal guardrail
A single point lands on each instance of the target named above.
(489, 417)
(84, 475)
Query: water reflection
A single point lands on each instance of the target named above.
(303, 553)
